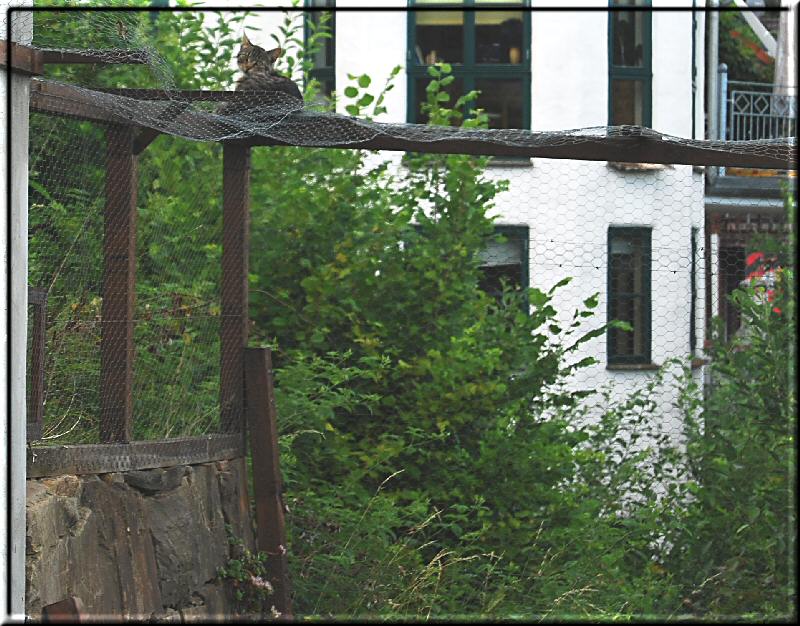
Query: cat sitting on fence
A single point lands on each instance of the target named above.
(259, 74)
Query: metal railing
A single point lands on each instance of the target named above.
(754, 111)
(750, 110)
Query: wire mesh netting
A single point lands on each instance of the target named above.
(483, 336)
(633, 235)
(176, 316)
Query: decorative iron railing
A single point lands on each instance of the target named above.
(756, 111)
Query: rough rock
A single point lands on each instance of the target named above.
(143, 545)
(235, 502)
(188, 534)
(155, 480)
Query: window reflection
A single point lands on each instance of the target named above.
(629, 293)
(628, 35)
(502, 100)
(627, 102)
(498, 37)
(440, 37)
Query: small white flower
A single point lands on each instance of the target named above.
(259, 582)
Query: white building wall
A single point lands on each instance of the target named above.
(372, 43)
(569, 67)
(569, 205)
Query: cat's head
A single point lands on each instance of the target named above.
(252, 56)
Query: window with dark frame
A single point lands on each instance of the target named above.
(488, 50)
(324, 59)
(732, 271)
(505, 259)
(630, 63)
(629, 299)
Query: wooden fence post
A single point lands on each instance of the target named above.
(119, 287)
(267, 483)
(233, 293)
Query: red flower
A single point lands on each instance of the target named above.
(776, 310)
(770, 295)
(753, 257)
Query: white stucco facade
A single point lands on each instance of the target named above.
(568, 206)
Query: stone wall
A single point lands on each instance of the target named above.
(141, 544)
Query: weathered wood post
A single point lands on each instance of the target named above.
(119, 287)
(267, 481)
(233, 293)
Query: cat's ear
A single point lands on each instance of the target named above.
(274, 54)
(245, 41)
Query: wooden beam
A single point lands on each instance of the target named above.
(101, 458)
(59, 99)
(190, 95)
(233, 292)
(106, 56)
(612, 148)
(313, 129)
(147, 135)
(21, 59)
(119, 275)
(267, 482)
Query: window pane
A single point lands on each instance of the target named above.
(627, 102)
(498, 37)
(502, 100)
(503, 261)
(627, 29)
(492, 278)
(439, 37)
(628, 343)
(455, 89)
(629, 300)
(732, 269)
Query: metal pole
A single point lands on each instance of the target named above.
(723, 107)
(711, 69)
(16, 26)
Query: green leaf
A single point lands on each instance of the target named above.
(591, 302)
(350, 92)
(364, 81)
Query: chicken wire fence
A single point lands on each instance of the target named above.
(622, 223)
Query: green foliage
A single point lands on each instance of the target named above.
(739, 541)
(246, 573)
(737, 51)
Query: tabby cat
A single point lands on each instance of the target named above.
(258, 73)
